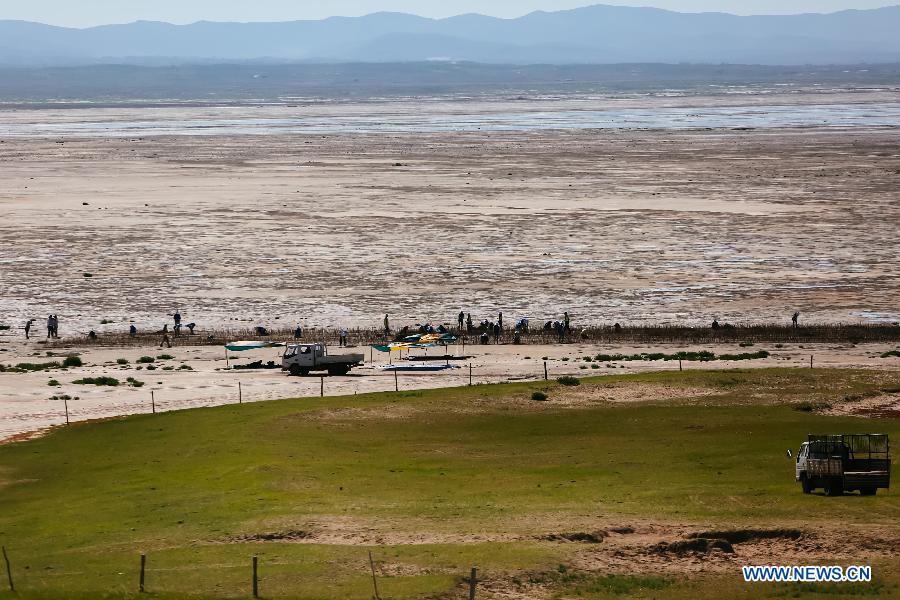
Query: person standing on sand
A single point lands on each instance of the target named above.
(298, 332)
(342, 337)
(49, 326)
(459, 319)
(497, 331)
(177, 317)
(132, 330)
(566, 322)
(28, 327)
(795, 318)
(500, 320)
(165, 339)
(387, 326)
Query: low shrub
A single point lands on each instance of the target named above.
(145, 360)
(539, 396)
(568, 380)
(53, 383)
(164, 357)
(891, 353)
(110, 381)
(122, 361)
(134, 382)
(72, 361)
(185, 368)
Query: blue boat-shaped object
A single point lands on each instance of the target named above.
(418, 368)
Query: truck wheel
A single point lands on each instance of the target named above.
(834, 488)
(869, 491)
(304, 372)
(295, 370)
(806, 484)
(338, 371)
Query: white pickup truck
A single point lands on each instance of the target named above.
(302, 359)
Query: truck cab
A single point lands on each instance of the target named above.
(844, 463)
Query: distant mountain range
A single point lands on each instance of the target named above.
(597, 34)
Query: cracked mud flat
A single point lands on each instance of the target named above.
(612, 225)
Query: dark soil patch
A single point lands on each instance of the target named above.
(741, 536)
(696, 545)
(582, 537)
(276, 536)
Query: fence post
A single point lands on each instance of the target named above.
(143, 564)
(374, 581)
(396, 382)
(810, 361)
(226, 357)
(66, 404)
(679, 364)
(470, 373)
(152, 402)
(545, 370)
(12, 587)
(240, 393)
(322, 386)
(473, 581)
(255, 578)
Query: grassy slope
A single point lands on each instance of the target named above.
(77, 506)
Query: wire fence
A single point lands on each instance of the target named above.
(607, 334)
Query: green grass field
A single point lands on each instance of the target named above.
(432, 482)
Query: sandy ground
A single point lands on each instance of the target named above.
(27, 404)
(329, 230)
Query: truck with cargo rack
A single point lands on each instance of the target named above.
(844, 463)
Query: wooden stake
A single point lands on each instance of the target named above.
(143, 565)
(374, 581)
(240, 394)
(545, 370)
(255, 578)
(226, 357)
(396, 382)
(473, 581)
(66, 404)
(152, 402)
(470, 373)
(12, 587)
(679, 364)
(810, 361)
(322, 386)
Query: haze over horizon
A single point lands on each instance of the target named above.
(91, 13)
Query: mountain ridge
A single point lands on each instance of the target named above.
(598, 34)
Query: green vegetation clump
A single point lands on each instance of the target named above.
(110, 381)
(891, 353)
(539, 396)
(145, 360)
(746, 344)
(809, 407)
(53, 383)
(701, 356)
(568, 380)
(134, 382)
(169, 368)
(5, 327)
(72, 361)
(164, 357)
(122, 361)
(105, 321)
(185, 368)
(151, 367)
(619, 585)
(30, 367)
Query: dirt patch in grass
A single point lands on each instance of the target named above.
(627, 393)
(883, 404)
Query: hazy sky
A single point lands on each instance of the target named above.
(81, 13)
